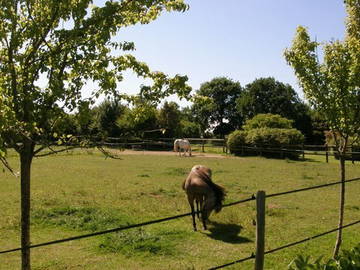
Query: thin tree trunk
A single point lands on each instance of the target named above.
(342, 204)
(26, 156)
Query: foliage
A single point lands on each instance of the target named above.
(266, 95)
(69, 44)
(189, 129)
(265, 130)
(268, 121)
(333, 86)
(274, 137)
(319, 127)
(235, 141)
(348, 260)
(105, 117)
(49, 52)
(169, 118)
(214, 105)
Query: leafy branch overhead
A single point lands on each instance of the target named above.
(51, 50)
(332, 85)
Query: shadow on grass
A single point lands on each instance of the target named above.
(228, 233)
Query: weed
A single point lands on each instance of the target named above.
(140, 241)
(79, 218)
(176, 171)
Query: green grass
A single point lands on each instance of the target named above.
(77, 193)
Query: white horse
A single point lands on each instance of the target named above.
(182, 145)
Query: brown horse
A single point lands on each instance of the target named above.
(200, 188)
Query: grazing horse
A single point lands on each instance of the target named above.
(182, 144)
(200, 188)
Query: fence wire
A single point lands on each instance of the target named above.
(188, 214)
(286, 246)
(309, 188)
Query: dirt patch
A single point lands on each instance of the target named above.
(169, 153)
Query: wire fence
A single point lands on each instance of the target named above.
(220, 146)
(251, 198)
(207, 144)
(252, 256)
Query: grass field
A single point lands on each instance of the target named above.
(81, 192)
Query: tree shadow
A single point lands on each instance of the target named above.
(228, 233)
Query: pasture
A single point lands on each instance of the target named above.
(81, 191)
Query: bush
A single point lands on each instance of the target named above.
(348, 260)
(263, 133)
(268, 121)
(274, 137)
(235, 141)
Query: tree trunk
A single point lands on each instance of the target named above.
(26, 156)
(342, 203)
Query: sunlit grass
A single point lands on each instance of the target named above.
(75, 193)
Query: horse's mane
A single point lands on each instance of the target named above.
(219, 191)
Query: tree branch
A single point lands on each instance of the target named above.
(7, 166)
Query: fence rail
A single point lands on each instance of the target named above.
(253, 197)
(207, 143)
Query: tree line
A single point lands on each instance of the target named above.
(219, 107)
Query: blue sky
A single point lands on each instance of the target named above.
(239, 39)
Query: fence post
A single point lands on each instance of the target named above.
(260, 230)
(327, 153)
(303, 151)
(202, 146)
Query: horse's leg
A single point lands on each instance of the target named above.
(190, 151)
(191, 202)
(198, 209)
(201, 203)
(203, 215)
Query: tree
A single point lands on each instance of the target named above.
(266, 95)
(169, 118)
(333, 86)
(49, 51)
(106, 115)
(214, 103)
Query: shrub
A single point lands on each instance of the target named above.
(268, 121)
(235, 141)
(348, 260)
(274, 137)
(264, 132)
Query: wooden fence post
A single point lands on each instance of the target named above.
(260, 230)
(202, 146)
(303, 152)
(327, 153)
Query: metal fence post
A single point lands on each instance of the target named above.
(260, 230)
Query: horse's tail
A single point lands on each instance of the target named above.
(183, 184)
(219, 191)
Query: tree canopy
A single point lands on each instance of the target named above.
(214, 105)
(266, 95)
(51, 50)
